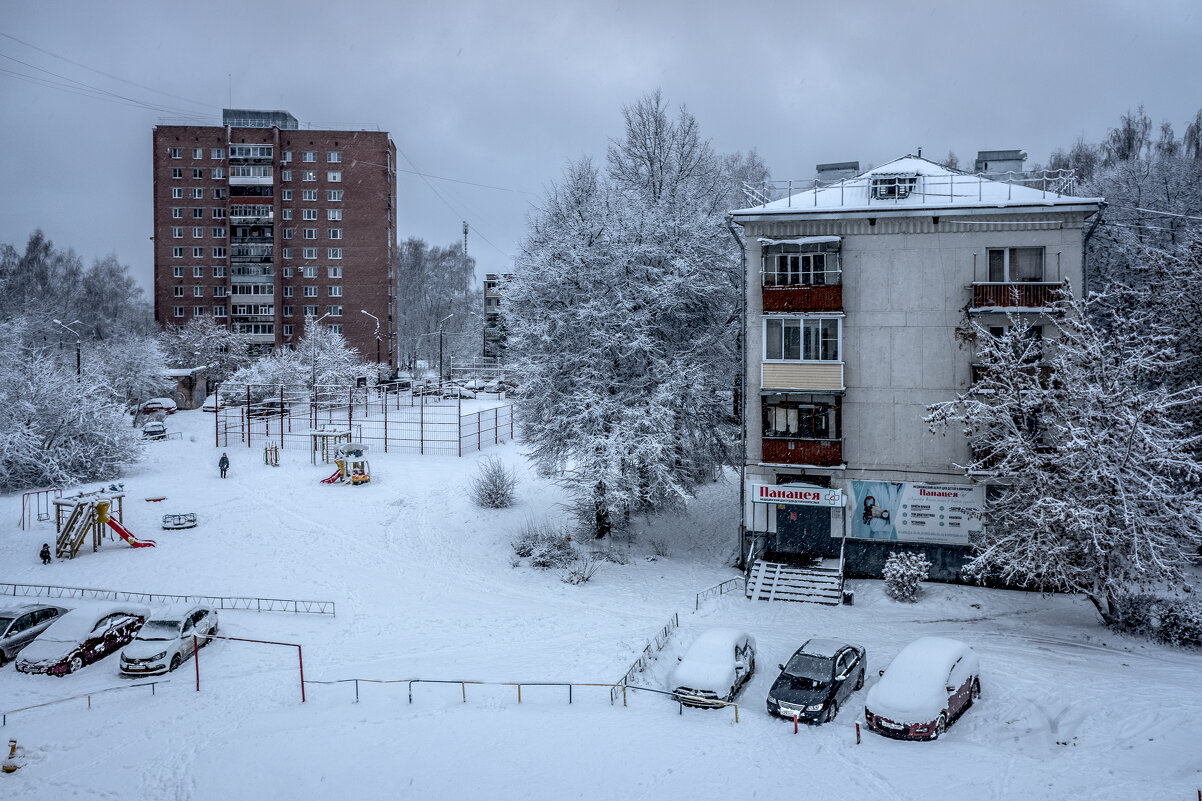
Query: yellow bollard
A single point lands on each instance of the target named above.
(10, 765)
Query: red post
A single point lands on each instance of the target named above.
(421, 426)
(858, 742)
(496, 425)
(384, 407)
(196, 659)
(216, 416)
(795, 723)
(300, 658)
(247, 415)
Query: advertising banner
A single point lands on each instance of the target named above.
(797, 494)
(936, 513)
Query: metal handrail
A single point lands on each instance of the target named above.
(295, 606)
(4, 715)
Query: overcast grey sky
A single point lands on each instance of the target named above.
(503, 94)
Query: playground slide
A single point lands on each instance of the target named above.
(337, 474)
(130, 538)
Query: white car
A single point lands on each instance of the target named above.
(928, 685)
(167, 639)
(717, 664)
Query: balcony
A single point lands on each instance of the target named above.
(263, 239)
(803, 298)
(251, 274)
(1041, 372)
(1020, 296)
(802, 376)
(816, 452)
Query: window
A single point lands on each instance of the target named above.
(177, 311)
(219, 271)
(333, 214)
(310, 195)
(286, 214)
(220, 291)
(287, 255)
(177, 192)
(801, 339)
(334, 311)
(308, 175)
(286, 157)
(198, 253)
(198, 272)
(219, 253)
(334, 176)
(177, 214)
(198, 152)
(217, 172)
(334, 291)
(198, 172)
(198, 233)
(334, 272)
(288, 328)
(175, 152)
(287, 271)
(802, 269)
(288, 291)
(198, 311)
(219, 233)
(334, 253)
(220, 193)
(309, 253)
(198, 291)
(309, 272)
(289, 310)
(198, 193)
(217, 153)
(335, 233)
(802, 416)
(309, 291)
(334, 156)
(310, 233)
(893, 187)
(219, 311)
(252, 171)
(1014, 265)
(334, 328)
(218, 213)
(285, 175)
(288, 232)
(177, 272)
(198, 214)
(254, 328)
(177, 233)
(251, 151)
(177, 172)
(309, 311)
(334, 195)
(309, 156)
(309, 214)
(177, 291)
(287, 195)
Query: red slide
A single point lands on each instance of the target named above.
(333, 478)
(130, 538)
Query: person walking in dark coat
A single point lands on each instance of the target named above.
(45, 553)
(223, 464)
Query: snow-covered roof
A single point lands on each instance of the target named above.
(183, 372)
(803, 240)
(934, 186)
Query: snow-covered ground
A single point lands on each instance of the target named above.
(425, 589)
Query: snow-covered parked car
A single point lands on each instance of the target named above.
(212, 403)
(455, 391)
(82, 636)
(819, 677)
(927, 686)
(159, 405)
(717, 664)
(155, 429)
(166, 640)
(21, 624)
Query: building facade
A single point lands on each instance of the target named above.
(494, 324)
(258, 224)
(859, 294)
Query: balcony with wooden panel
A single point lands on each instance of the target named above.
(798, 451)
(1016, 296)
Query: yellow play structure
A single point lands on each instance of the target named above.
(353, 468)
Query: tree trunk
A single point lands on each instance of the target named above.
(601, 523)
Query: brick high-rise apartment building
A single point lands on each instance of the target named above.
(258, 223)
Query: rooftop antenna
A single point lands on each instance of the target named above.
(920, 151)
(230, 77)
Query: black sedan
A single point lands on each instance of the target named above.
(820, 676)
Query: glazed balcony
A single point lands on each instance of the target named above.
(1015, 296)
(793, 450)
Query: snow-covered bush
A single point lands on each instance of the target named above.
(1173, 621)
(544, 544)
(903, 573)
(494, 487)
(581, 569)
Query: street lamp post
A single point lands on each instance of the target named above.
(377, 319)
(68, 327)
(440, 335)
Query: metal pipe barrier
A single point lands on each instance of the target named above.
(218, 601)
(644, 659)
(720, 589)
(150, 684)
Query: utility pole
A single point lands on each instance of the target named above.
(440, 336)
(68, 327)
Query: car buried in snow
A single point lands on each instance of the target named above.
(81, 637)
(928, 685)
(716, 666)
(20, 625)
(167, 639)
(165, 405)
(819, 678)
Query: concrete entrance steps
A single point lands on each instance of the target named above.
(820, 583)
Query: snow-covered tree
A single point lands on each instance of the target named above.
(130, 368)
(322, 354)
(435, 282)
(622, 316)
(201, 342)
(1094, 487)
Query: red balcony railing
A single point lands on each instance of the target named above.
(818, 452)
(803, 298)
(1016, 295)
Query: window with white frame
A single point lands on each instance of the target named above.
(334, 311)
(309, 195)
(802, 339)
(177, 272)
(287, 252)
(177, 172)
(198, 291)
(198, 232)
(333, 272)
(288, 291)
(198, 172)
(285, 175)
(177, 213)
(286, 157)
(219, 253)
(309, 156)
(198, 311)
(286, 214)
(198, 214)
(334, 195)
(309, 253)
(310, 271)
(177, 291)
(289, 311)
(309, 311)
(801, 415)
(198, 152)
(217, 153)
(177, 233)
(309, 214)
(177, 311)
(287, 271)
(334, 156)
(309, 291)
(198, 272)
(219, 233)
(286, 195)
(333, 214)
(1016, 265)
(334, 328)
(334, 253)
(177, 253)
(334, 291)
(219, 311)
(177, 192)
(175, 152)
(310, 233)
(251, 151)
(218, 213)
(198, 193)
(288, 329)
(308, 175)
(335, 233)
(789, 264)
(288, 232)
(220, 291)
(218, 173)
(198, 253)
(334, 176)
(219, 271)
(219, 193)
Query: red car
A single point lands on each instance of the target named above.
(82, 636)
(928, 685)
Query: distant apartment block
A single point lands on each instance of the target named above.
(258, 223)
(494, 324)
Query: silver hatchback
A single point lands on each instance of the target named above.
(20, 625)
